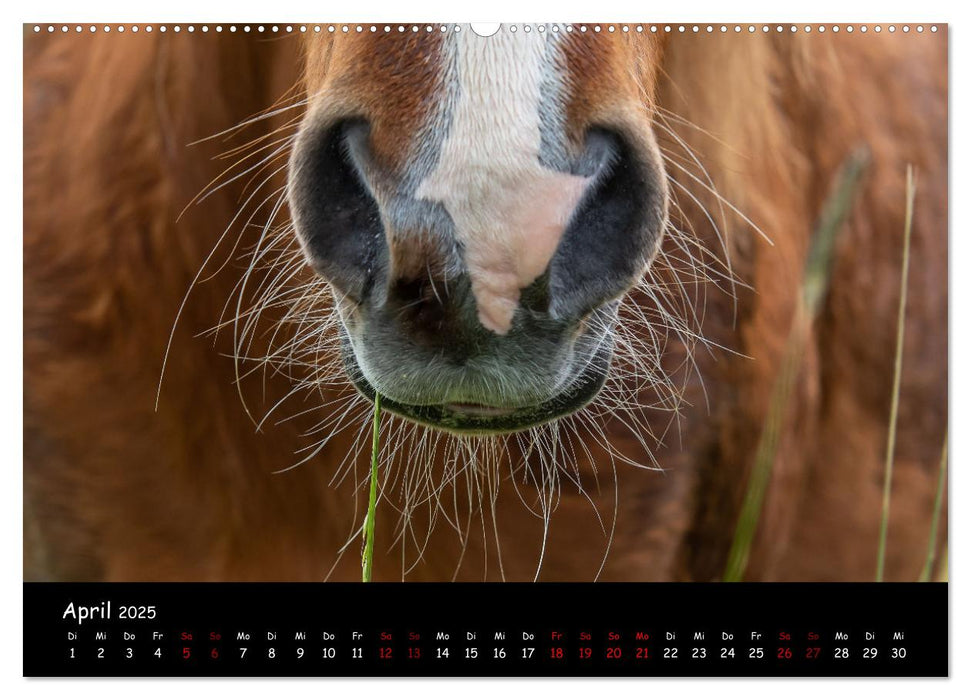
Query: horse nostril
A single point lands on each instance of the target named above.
(335, 214)
(614, 232)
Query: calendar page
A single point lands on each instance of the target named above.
(368, 349)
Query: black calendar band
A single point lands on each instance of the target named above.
(511, 629)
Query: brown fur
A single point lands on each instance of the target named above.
(387, 77)
(604, 70)
(116, 490)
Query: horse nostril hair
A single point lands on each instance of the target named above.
(335, 214)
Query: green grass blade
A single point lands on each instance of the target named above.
(822, 247)
(897, 364)
(367, 559)
(925, 574)
(816, 277)
(941, 576)
(751, 512)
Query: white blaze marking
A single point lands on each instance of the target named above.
(509, 211)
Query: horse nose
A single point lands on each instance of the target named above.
(374, 237)
(336, 216)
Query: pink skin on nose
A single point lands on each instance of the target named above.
(509, 211)
(517, 248)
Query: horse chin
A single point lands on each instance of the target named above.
(478, 419)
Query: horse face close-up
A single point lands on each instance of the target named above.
(479, 206)
(635, 301)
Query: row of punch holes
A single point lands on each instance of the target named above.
(414, 28)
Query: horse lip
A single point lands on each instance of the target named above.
(438, 416)
(478, 409)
